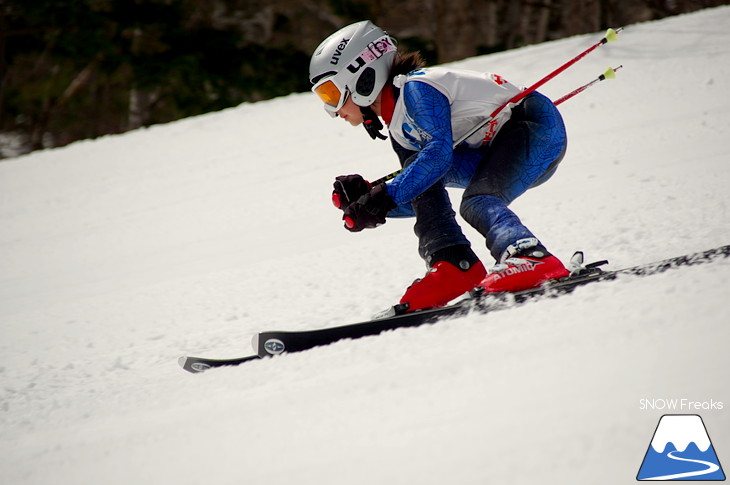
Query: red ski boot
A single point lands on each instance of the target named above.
(526, 268)
(443, 282)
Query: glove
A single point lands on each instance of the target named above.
(369, 210)
(347, 189)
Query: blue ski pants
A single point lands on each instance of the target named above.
(524, 154)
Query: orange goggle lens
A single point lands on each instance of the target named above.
(329, 93)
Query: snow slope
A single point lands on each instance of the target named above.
(117, 255)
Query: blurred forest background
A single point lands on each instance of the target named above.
(74, 69)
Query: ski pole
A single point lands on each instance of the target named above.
(611, 35)
(610, 73)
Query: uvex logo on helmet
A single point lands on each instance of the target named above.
(338, 51)
(374, 50)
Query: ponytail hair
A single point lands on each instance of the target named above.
(406, 62)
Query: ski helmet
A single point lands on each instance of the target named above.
(354, 61)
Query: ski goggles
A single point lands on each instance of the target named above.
(333, 96)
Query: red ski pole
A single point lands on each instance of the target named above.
(610, 73)
(611, 35)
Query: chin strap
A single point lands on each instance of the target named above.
(372, 123)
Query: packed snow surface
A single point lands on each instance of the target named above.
(120, 254)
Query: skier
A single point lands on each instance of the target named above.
(359, 75)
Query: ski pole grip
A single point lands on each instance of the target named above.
(612, 35)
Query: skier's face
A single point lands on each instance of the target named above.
(350, 112)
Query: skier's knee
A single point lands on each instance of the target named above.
(478, 208)
(471, 207)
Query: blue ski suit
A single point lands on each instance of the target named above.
(522, 151)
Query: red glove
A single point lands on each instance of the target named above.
(347, 189)
(369, 210)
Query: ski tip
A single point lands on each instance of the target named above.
(182, 361)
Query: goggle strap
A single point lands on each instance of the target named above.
(372, 123)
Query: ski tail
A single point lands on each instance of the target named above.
(196, 365)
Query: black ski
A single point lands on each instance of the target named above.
(271, 343)
(200, 364)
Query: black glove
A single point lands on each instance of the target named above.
(347, 189)
(369, 210)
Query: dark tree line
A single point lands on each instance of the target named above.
(74, 69)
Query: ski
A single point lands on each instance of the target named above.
(201, 364)
(270, 343)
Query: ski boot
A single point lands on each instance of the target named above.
(526, 264)
(453, 272)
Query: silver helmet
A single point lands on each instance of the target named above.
(354, 61)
